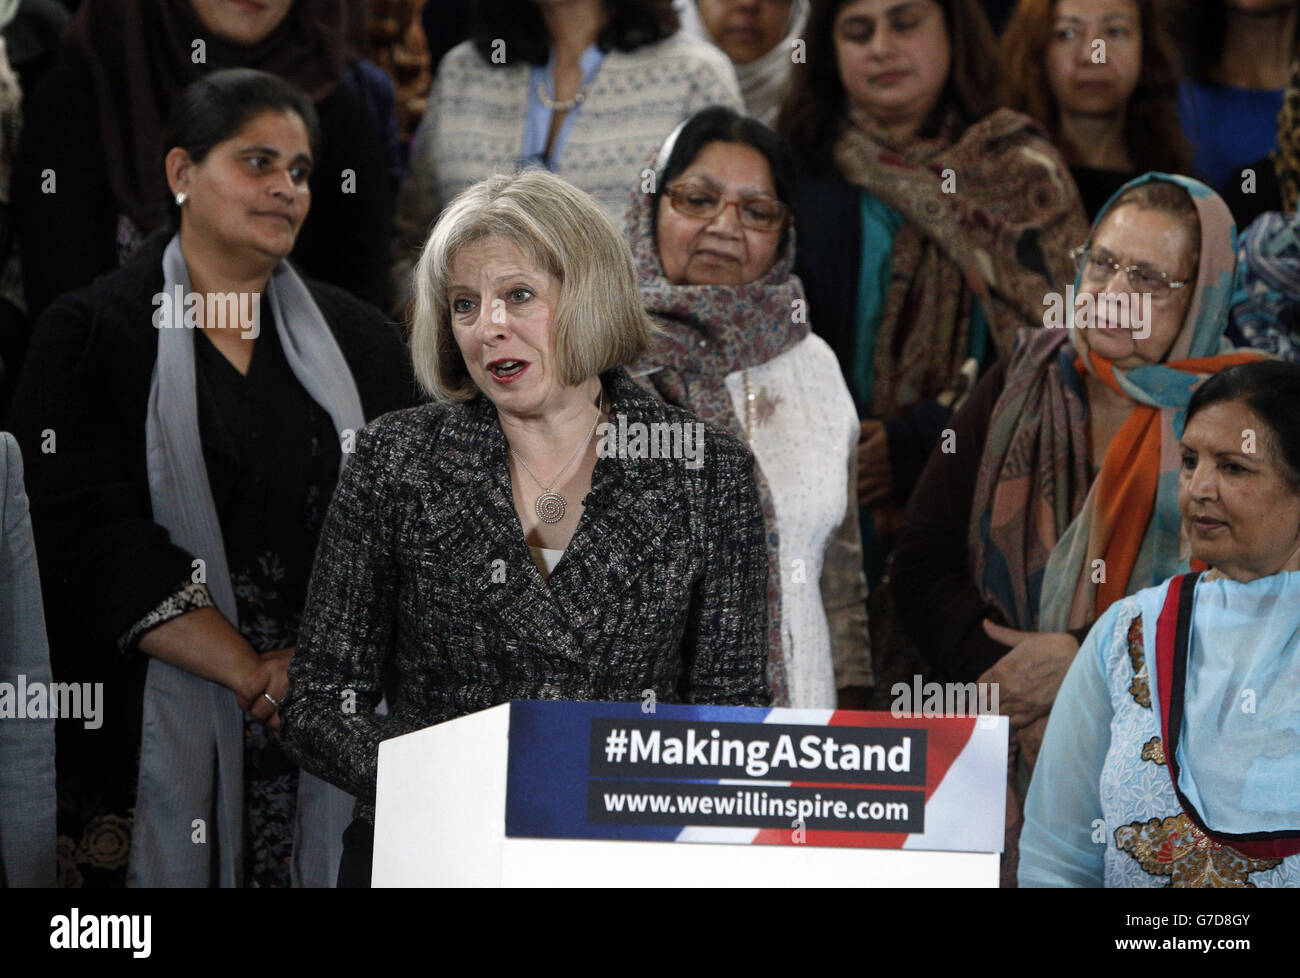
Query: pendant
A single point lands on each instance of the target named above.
(550, 507)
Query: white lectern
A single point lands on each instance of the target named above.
(592, 794)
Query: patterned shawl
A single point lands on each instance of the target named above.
(1039, 522)
(1286, 158)
(1266, 307)
(990, 214)
(704, 333)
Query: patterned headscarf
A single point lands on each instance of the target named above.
(1050, 547)
(706, 332)
(1266, 306)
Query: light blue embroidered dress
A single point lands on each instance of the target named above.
(1102, 808)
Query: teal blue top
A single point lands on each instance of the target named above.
(880, 223)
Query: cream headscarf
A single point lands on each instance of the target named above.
(762, 82)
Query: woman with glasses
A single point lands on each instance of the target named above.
(930, 225)
(714, 247)
(1058, 497)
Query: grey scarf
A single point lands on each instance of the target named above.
(191, 750)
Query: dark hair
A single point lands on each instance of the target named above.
(216, 106)
(719, 124)
(632, 24)
(815, 109)
(1200, 27)
(1271, 389)
(1152, 134)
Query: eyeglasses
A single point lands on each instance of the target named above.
(1101, 266)
(702, 201)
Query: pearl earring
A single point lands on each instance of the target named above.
(181, 198)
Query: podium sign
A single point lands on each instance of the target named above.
(551, 793)
(755, 776)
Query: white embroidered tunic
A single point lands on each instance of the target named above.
(804, 436)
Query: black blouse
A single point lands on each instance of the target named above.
(1098, 186)
(273, 459)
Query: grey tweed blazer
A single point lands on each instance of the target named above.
(424, 587)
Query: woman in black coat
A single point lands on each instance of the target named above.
(521, 538)
(178, 479)
(88, 180)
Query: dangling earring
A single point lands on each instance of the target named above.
(181, 198)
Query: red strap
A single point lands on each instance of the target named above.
(1173, 635)
(1166, 631)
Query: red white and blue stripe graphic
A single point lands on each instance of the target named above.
(569, 776)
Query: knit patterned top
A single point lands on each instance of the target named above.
(474, 126)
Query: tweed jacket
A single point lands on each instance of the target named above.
(424, 587)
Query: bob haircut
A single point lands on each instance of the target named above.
(812, 115)
(599, 322)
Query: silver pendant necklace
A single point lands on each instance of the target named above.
(550, 505)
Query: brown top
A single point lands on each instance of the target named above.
(934, 588)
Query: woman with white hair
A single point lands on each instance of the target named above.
(489, 546)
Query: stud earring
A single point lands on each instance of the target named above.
(181, 198)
